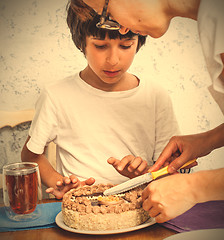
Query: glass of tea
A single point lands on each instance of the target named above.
(21, 190)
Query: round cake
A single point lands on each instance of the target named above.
(85, 208)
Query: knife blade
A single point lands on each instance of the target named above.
(137, 181)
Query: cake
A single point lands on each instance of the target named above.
(85, 208)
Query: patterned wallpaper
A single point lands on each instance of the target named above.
(36, 48)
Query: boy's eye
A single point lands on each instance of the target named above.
(125, 47)
(100, 46)
(104, 46)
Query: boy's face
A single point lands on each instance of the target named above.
(109, 59)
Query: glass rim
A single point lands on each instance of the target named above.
(20, 168)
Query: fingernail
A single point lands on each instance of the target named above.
(172, 169)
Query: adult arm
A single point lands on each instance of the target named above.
(164, 200)
(189, 147)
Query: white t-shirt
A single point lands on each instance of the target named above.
(211, 32)
(89, 125)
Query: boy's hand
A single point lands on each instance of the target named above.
(129, 166)
(66, 184)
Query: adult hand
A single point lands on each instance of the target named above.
(169, 197)
(181, 149)
(129, 166)
(164, 200)
(66, 184)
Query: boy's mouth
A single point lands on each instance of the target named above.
(111, 73)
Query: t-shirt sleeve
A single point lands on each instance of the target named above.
(210, 27)
(44, 125)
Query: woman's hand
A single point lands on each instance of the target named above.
(169, 197)
(182, 149)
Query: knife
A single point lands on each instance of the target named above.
(137, 181)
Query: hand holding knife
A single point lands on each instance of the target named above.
(137, 181)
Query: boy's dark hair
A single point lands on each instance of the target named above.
(80, 29)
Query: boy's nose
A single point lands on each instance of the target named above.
(113, 58)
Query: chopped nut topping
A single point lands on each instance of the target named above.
(81, 199)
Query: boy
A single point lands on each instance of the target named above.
(100, 112)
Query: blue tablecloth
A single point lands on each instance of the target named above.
(47, 219)
(208, 215)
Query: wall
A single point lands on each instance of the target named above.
(36, 48)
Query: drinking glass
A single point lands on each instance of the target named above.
(21, 190)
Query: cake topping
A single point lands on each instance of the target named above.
(82, 208)
(110, 200)
(89, 199)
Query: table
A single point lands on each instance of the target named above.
(152, 232)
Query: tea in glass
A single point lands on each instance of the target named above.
(22, 190)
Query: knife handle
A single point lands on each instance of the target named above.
(164, 171)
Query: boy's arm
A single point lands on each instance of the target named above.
(56, 183)
(49, 176)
